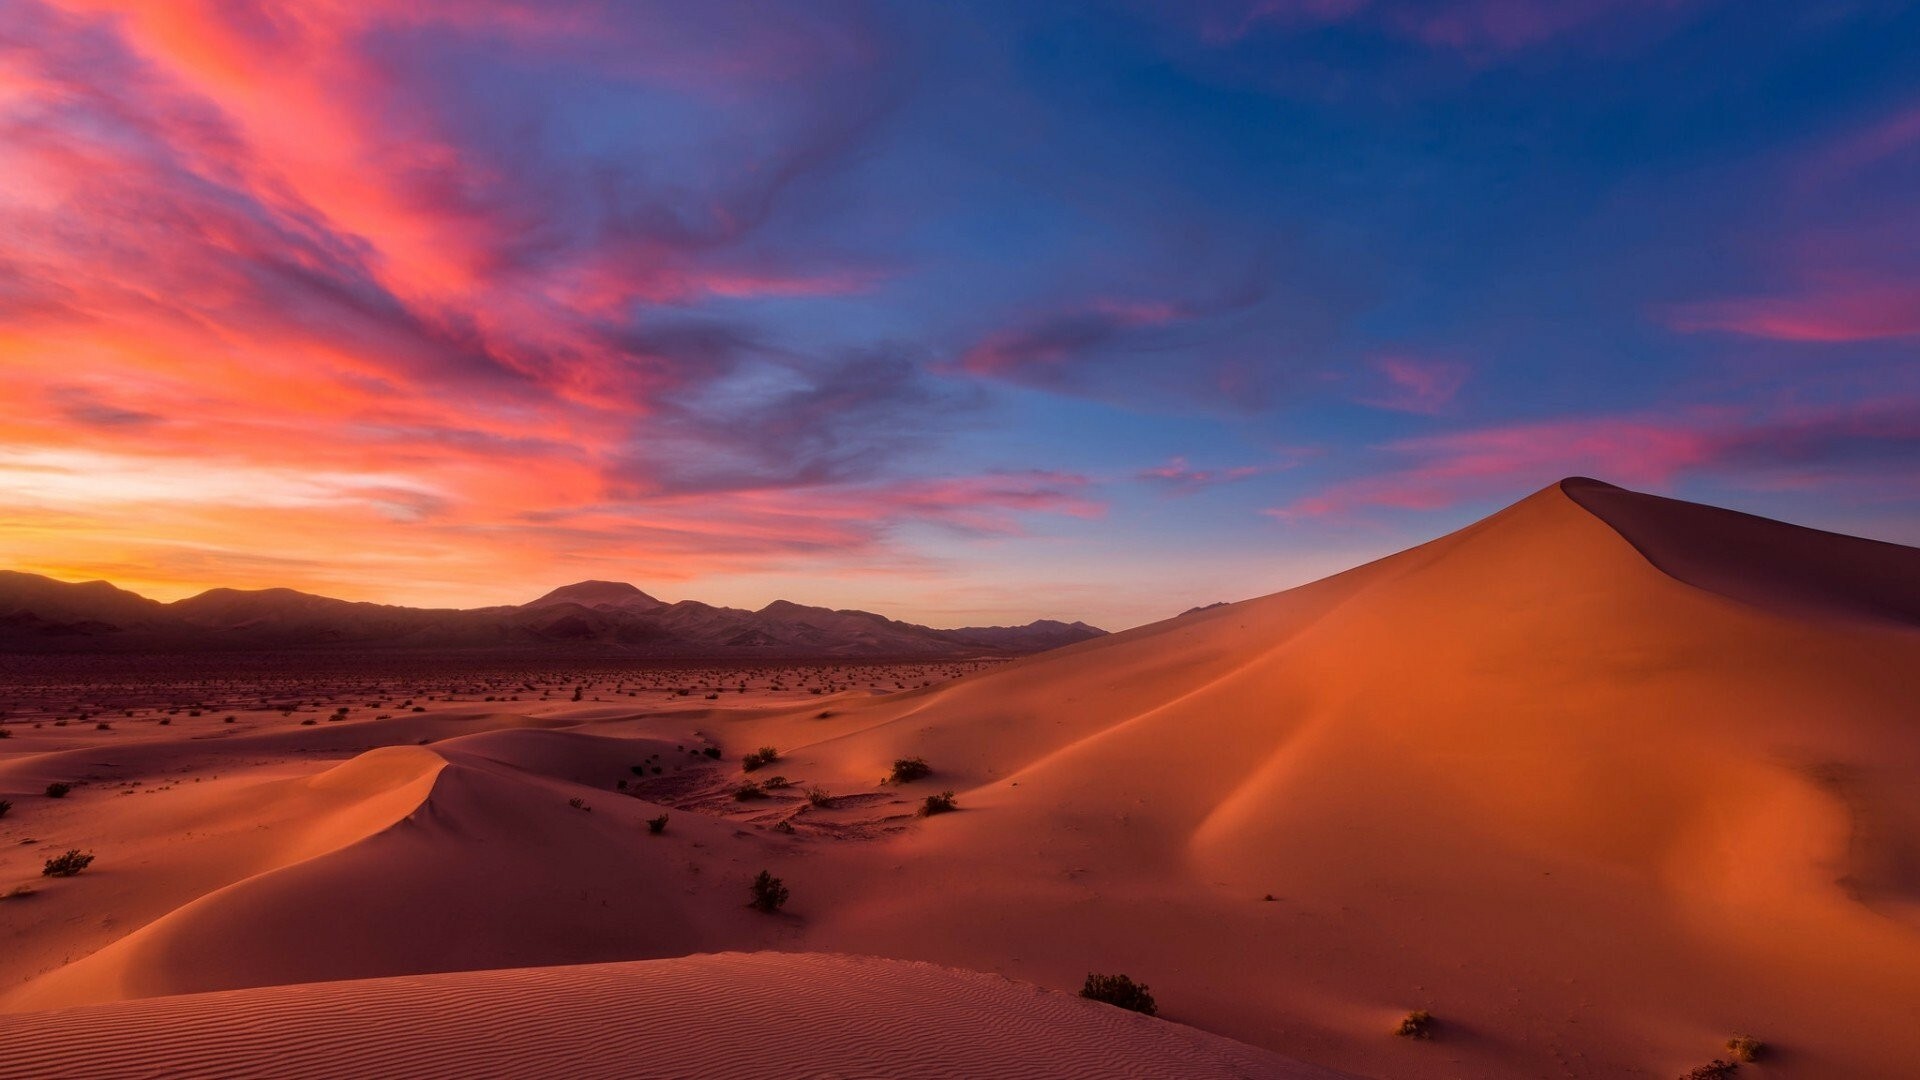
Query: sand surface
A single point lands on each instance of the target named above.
(719, 1016)
(1597, 784)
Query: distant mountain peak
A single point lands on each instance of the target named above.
(592, 594)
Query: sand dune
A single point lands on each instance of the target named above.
(710, 1016)
(1593, 794)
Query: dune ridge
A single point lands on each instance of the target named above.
(720, 1016)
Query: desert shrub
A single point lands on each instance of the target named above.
(657, 825)
(1417, 1024)
(766, 755)
(938, 804)
(58, 789)
(1746, 1048)
(579, 804)
(67, 865)
(748, 791)
(6, 733)
(769, 892)
(783, 826)
(818, 796)
(1713, 1070)
(908, 769)
(776, 783)
(309, 723)
(638, 770)
(712, 752)
(4, 807)
(166, 720)
(1121, 991)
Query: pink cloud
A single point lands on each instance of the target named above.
(1180, 478)
(1417, 384)
(1843, 157)
(1867, 313)
(1783, 445)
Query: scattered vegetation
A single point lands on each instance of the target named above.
(776, 783)
(766, 755)
(580, 804)
(58, 789)
(657, 825)
(748, 790)
(1746, 1048)
(818, 796)
(1417, 1024)
(939, 804)
(908, 769)
(1121, 991)
(769, 892)
(712, 752)
(67, 865)
(783, 826)
(1713, 1070)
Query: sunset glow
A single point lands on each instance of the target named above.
(1098, 313)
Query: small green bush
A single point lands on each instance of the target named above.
(1121, 991)
(67, 865)
(766, 755)
(908, 769)
(1417, 1024)
(769, 892)
(657, 825)
(1746, 1048)
(939, 804)
(58, 789)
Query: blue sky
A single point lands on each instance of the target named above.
(965, 313)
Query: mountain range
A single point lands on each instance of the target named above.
(42, 614)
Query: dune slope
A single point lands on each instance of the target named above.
(713, 1016)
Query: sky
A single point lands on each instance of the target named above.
(969, 313)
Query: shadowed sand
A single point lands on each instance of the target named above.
(718, 1016)
(1595, 782)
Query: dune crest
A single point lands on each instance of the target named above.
(1769, 564)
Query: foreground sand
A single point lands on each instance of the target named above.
(1595, 793)
(718, 1016)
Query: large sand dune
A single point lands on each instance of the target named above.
(1600, 781)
